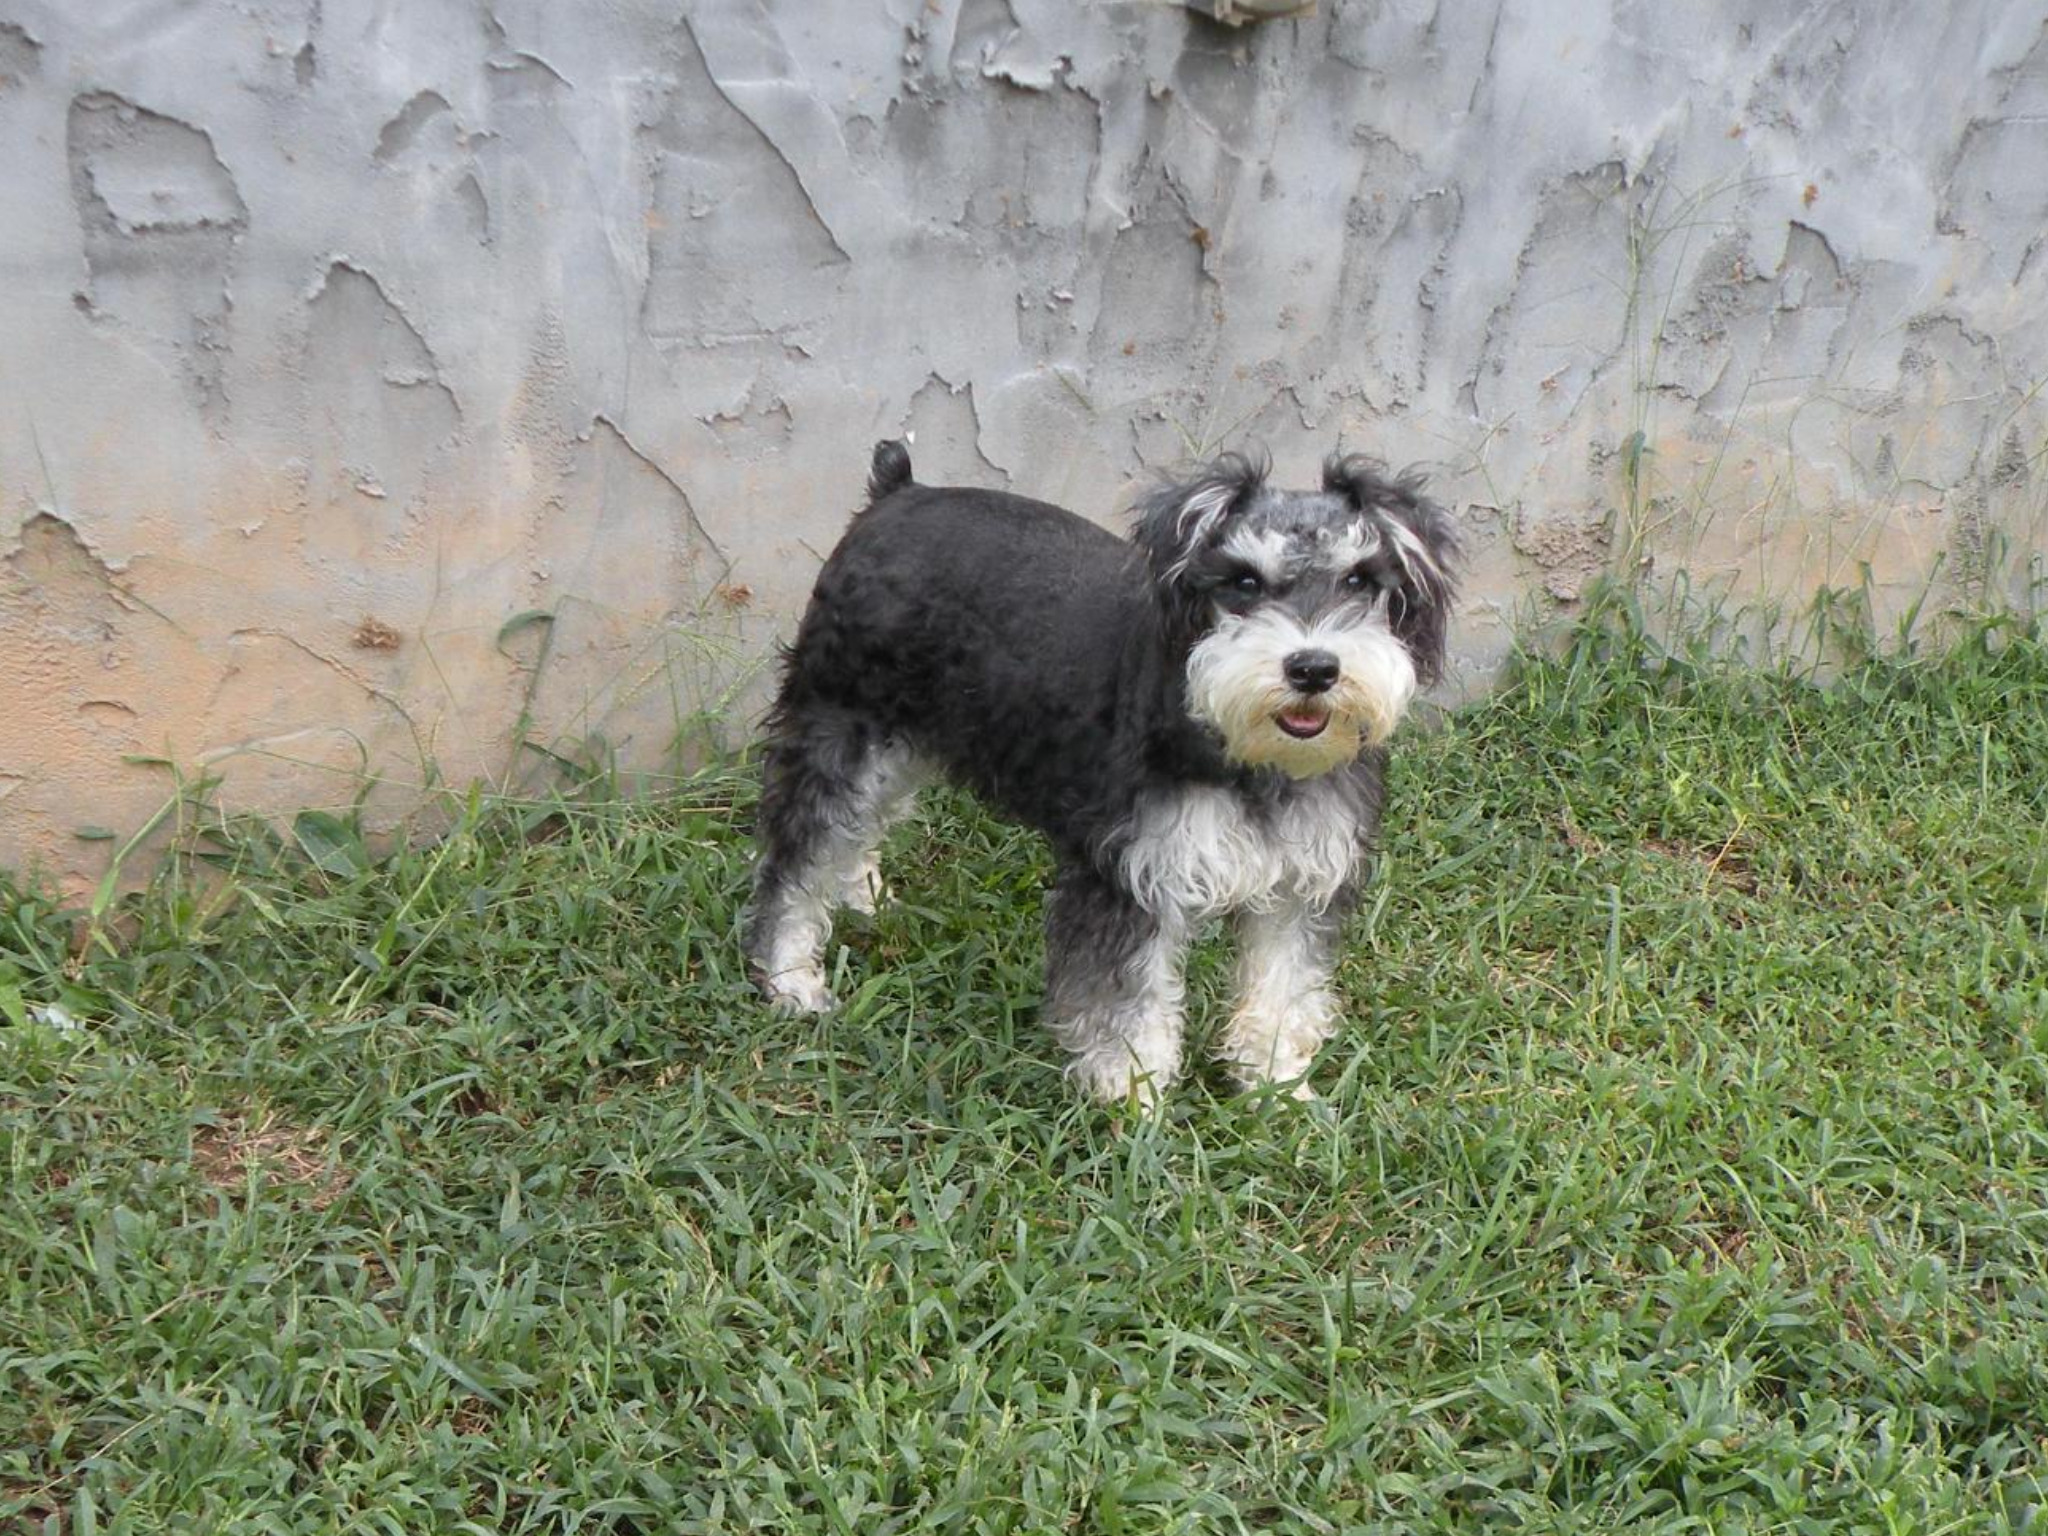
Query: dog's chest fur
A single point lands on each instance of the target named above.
(1199, 850)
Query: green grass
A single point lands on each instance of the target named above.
(1684, 1167)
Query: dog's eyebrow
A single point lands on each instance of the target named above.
(1358, 541)
(1277, 552)
(1264, 549)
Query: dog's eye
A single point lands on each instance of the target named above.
(1248, 583)
(1358, 580)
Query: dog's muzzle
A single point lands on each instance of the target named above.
(1309, 673)
(1305, 700)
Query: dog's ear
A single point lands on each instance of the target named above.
(1177, 520)
(1425, 542)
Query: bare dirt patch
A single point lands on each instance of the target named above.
(234, 1149)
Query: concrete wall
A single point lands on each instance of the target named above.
(341, 339)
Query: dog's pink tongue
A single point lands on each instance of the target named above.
(1303, 722)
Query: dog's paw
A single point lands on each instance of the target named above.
(799, 992)
(1286, 1079)
(865, 890)
(1280, 1084)
(1114, 1077)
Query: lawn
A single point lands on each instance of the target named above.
(1683, 1165)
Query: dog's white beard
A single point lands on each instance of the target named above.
(1236, 684)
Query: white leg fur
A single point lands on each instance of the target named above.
(791, 972)
(845, 872)
(1138, 1067)
(865, 889)
(887, 793)
(1285, 1009)
(1130, 1052)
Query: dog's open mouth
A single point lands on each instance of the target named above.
(1302, 722)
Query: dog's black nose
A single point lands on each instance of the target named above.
(1311, 671)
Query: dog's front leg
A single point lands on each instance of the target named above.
(1113, 988)
(1285, 1008)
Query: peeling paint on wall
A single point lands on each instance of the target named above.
(453, 390)
(158, 215)
(378, 415)
(20, 56)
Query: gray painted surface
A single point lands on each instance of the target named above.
(336, 334)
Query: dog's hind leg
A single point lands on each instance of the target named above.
(1113, 988)
(830, 781)
(1285, 1009)
(892, 776)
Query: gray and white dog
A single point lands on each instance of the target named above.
(1195, 719)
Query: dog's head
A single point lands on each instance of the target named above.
(1308, 618)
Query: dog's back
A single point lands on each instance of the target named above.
(991, 543)
(973, 625)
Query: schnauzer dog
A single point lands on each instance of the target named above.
(1195, 719)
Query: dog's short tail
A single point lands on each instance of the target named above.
(891, 470)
